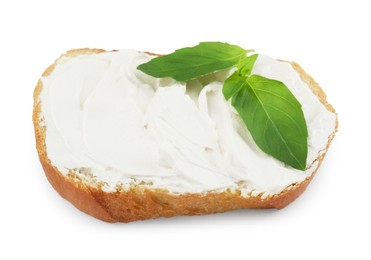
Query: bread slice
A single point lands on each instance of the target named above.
(138, 202)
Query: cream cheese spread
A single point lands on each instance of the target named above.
(106, 119)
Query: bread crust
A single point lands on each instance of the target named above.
(139, 203)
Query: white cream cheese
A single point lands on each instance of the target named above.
(105, 118)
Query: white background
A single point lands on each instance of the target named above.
(328, 38)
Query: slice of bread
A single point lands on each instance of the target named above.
(140, 202)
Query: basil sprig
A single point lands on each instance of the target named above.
(269, 110)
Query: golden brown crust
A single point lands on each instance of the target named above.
(141, 203)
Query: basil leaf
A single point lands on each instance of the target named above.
(274, 118)
(189, 63)
(246, 64)
(233, 84)
(269, 110)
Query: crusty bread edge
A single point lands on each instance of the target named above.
(141, 203)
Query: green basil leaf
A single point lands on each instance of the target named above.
(270, 111)
(232, 85)
(189, 63)
(246, 64)
(274, 118)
